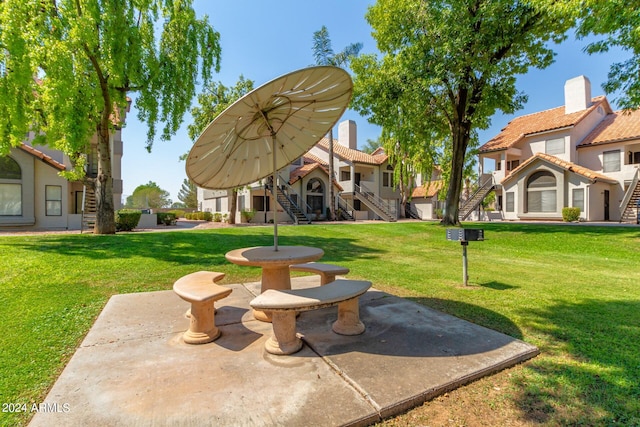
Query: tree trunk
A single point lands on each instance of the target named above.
(332, 196)
(461, 136)
(105, 211)
(233, 203)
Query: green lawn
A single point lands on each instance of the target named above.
(572, 290)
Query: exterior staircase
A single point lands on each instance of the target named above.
(344, 211)
(289, 200)
(629, 208)
(485, 186)
(383, 209)
(88, 210)
(410, 211)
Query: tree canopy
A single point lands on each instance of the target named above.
(214, 99)
(148, 195)
(67, 67)
(188, 194)
(447, 67)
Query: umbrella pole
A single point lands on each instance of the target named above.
(275, 194)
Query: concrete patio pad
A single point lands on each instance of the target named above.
(133, 368)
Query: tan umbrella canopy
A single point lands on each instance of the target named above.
(290, 113)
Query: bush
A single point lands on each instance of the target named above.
(200, 216)
(166, 218)
(178, 213)
(570, 214)
(217, 217)
(247, 215)
(127, 219)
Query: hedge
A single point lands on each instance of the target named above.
(127, 219)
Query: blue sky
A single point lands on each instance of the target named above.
(263, 40)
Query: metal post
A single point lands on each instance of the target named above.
(465, 276)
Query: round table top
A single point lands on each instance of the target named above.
(265, 256)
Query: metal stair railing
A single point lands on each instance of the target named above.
(485, 186)
(88, 209)
(289, 205)
(412, 211)
(345, 209)
(387, 209)
(625, 205)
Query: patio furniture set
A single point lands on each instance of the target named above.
(277, 303)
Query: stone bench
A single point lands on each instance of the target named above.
(201, 291)
(327, 272)
(284, 304)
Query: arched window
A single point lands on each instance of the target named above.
(10, 187)
(315, 195)
(541, 192)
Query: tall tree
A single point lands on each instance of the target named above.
(188, 194)
(618, 21)
(324, 55)
(448, 66)
(67, 67)
(148, 195)
(213, 100)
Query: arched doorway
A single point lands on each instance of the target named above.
(315, 196)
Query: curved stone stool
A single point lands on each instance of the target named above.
(201, 291)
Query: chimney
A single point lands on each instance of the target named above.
(577, 94)
(347, 134)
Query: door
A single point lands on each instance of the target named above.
(606, 205)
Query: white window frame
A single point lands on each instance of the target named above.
(53, 200)
(611, 161)
(577, 202)
(554, 146)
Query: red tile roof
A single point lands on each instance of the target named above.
(569, 166)
(312, 158)
(427, 190)
(40, 155)
(542, 121)
(349, 154)
(305, 170)
(619, 126)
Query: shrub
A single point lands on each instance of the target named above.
(570, 214)
(166, 218)
(217, 217)
(178, 213)
(247, 215)
(127, 219)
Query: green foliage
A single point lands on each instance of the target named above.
(217, 217)
(200, 216)
(69, 67)
(247, 214)
(188, 194)
(371, 146)
(166, 218)
(148, 195)
(570, 214)
(127, 219)
(178, 213)
(447, 67)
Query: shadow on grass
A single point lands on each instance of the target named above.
(184, 247)
(472, 313)
(597, 384)
(498, 286)
(550, 228)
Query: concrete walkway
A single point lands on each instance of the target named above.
(133, 369)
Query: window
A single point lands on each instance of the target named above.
(345, 175)
(512, 164)
(541, 192)
(240, 203)
(387, 177)
(315, 195)
(218, 204)
(554, 146)
(10, 187)
(53, 200)
(577, 198)
(261, 203)
(510, 202)
(611, 161)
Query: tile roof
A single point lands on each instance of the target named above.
(355, 156)
(427, 190)
(542, 121)
(618, 126)
(305, 170)
(40, 155)
(312, 158)
(569, 166)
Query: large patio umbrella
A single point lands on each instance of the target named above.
(269, 128)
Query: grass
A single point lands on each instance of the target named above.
(574, 291)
